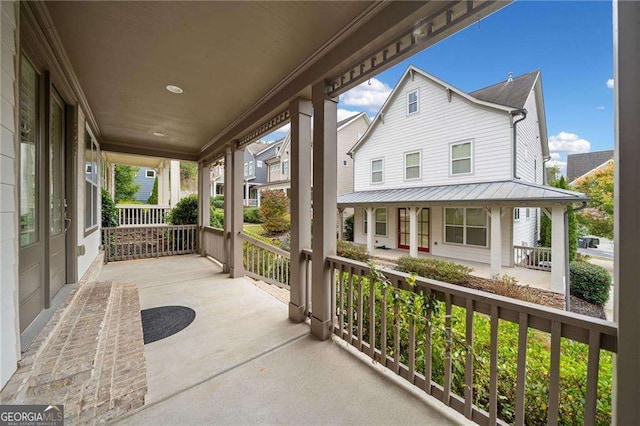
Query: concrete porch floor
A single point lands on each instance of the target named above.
(242, 362)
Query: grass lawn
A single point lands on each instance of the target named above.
(256, 228)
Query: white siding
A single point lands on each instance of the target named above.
(91, 242)
(525, 230)
(347, 138)
(529, 153)
(437, 124)
(9, 326)
(389, 241)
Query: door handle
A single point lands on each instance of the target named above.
(67, 224)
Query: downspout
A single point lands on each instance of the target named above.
(544, 169)
(515, 112)
(567, 279)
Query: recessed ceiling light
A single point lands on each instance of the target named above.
(158, 134)
(174, 89)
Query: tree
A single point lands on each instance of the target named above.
(545, 224)
(153, 198)
(598, 186)
(348, 228)
(273, 211)
(188, 175)
(109, 211)
(125, 186)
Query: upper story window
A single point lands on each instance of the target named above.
(466, 226)
(285, 167)
(412, 165)
(377, 170)
(246, 169)
(461, 158)
(150, 173)
(275, 167)
(249, 169)
(252, 170)
(259, 163)
(345, 162)
(412, 102)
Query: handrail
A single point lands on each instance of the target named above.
(263, 245)
(265, 262)
(214, 243)
(145, 241)
(213, 230)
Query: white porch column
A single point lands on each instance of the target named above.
(246, 193)
(496, 240)
(300, 112)
(325, 193)
(626, 44)
(557, 249)
(163, 184)
(340, 223)
(215, 189)
(370, 228)
(204, 200)
(174, 182)
(228, 207)
(413, 231)
(259, 194)
(237, 220)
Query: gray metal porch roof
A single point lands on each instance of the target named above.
(504, 192)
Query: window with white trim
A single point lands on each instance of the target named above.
(381, 221)
(252, 170)
(259, 163)
(412, 102)
(461, 158)
(516, 214)
(365, 221)
(246, 169)
(412, 165)
(285, 167)
(466, 226)
(377, 167)
(91, 188)
(150, 174)
(276, 167)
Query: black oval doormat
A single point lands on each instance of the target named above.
(164, 321)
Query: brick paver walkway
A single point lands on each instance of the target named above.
(90, 357)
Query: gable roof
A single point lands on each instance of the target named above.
(353, 119)
(257, 147)
(512, 93)
(494, 96)
(580, 164)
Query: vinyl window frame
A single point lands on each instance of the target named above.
(419, 165)
(94, 181)
(381, 171)
(465, 227)
(470, 157)
(153, 174)
(416, 102)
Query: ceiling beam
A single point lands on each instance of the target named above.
(128, 148)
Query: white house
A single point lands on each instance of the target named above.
(456, 174)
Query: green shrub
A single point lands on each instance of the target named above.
(251, 215)
(348, 228)
(216, 218)
(218, 204)
(153, 198)
(435, 269)
(590, 282)
(273, 212)
(109, 211)
(185, 212)
(353, 251)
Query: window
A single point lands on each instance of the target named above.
(380, 221)
(412, 166)
(150, 174)
(285, 167)
(461, 158)
(246, 169)
(252, 170)
(376, 171)
(259, 163)
(516, 214)
(466, 226)
(412, 102)
(527, 213)
(345, 162)
(91, 182)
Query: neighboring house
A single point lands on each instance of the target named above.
(580, 165)
(145, 177)
(457, 174)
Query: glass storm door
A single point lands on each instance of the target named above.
(57, 202)
(404, 229)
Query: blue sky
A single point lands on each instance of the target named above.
(570, 42)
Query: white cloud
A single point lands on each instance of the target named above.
(600, 107)
(561, 165)
(555, 155)
(565, 142)
(346, 113)
(610, 83)
(369, 95)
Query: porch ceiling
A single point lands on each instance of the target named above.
(133, 160)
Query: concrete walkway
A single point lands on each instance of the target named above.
(242, 362)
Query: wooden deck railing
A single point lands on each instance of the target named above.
(127, 243)
(408, 337)
(265, 262)
(214, 244)
(142, 214)
(532, 257)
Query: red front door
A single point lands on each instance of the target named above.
(404, 230)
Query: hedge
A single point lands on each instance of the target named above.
(251, 215)
(590, 282)
(435, 269)
(352, 251)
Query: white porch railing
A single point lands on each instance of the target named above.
(532, 257)
(251, 202)
(265, 262)
(129, 242)
(142, 214)
(214, 244)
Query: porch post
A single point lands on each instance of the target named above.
(300, 113)
(325, 193)
(369, 212)
(340, 223)
(228, 208)
(204, 198)
(215, 189)
(496, 240)
(162, 185)
(174, 182)
(259, 196)
(557, 249)
(246, 194)
(627, 202)
(237, 269)
(413, 231)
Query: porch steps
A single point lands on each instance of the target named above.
(90, 357)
